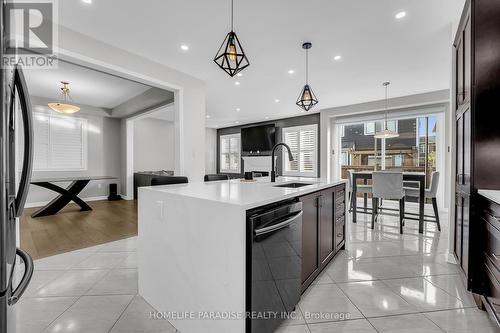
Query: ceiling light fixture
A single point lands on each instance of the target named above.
(208, 116)
(237, 83)
(386, 133)
(236, 122)
(267, 117)
(238, 109)
(87, 1)
(400, 15)
(307, 99)
(184, 47)
(230, 57)
(276, 100)
(64, 106)
(291, 71)
(337, 57)
(239, 74)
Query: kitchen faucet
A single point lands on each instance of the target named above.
(290, 158)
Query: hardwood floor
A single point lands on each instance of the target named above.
(72, 229)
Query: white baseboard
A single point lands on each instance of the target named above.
(43, 203)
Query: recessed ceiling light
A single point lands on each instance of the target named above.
(236, 122)
(238, 109)
(337, 57)
(267, 117)
(291, 71)
(400, 15)
(184, 47)
(208, 116)
(237, 83)
(87, 1)
(239, 74)
(277, 100)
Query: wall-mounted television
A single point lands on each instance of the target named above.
(258, 140)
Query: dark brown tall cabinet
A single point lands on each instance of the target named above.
(477, 126)
(323, 230)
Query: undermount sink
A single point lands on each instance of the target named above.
(293, 185)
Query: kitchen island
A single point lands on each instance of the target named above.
(195, 245)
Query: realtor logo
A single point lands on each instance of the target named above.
(31, 33)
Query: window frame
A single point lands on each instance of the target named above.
(314, 173)
(84, 138)
(365, 132)
(229, 136)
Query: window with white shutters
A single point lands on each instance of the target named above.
(60, 143)
(303, 141)
(230, 156)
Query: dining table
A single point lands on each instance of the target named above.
(66, 194)
(417, 177)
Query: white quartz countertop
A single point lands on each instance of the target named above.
(246, 195)
(493, 195)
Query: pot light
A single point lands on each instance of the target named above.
(400, 15)
(291, 71)
(238, 109)
(237, 83)
(184, 47)
(337, 57)
(267, 118)
(208, 116)
(276, 100)
(236, 122)
(239, 74)
(87, 1)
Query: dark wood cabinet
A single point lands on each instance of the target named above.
(310, 234)
(488, 218)
(327, 223)
(323, 230)
(477, 134)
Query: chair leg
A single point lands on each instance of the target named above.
(401, 214)
(436, 214)
(351, 201)
(374, 211)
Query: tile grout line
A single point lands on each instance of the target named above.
(121, 314)
(77, 297)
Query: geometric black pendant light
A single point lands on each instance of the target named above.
(307, 99)
(231, 57)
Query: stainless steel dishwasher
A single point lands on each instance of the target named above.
(274, 265)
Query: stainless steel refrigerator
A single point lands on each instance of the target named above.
(14, 99)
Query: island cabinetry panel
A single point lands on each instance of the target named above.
(310, 235)
(490, 223)
(323, 230)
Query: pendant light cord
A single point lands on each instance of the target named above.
(232, 15)
(307, 66)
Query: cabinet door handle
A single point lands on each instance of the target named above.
(496, 256)
(340, 234)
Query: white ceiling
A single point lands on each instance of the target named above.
(87, 86)
(413, 53)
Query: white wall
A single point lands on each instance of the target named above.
(104, 155)
(153, 145)
(210, 150)
(189, 94)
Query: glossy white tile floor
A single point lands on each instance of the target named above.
(383, 282)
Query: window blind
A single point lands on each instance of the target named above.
(230, 155)
(60, 143)
(303, 142)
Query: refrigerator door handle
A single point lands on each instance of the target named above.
(28, 273)
(27, 115)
